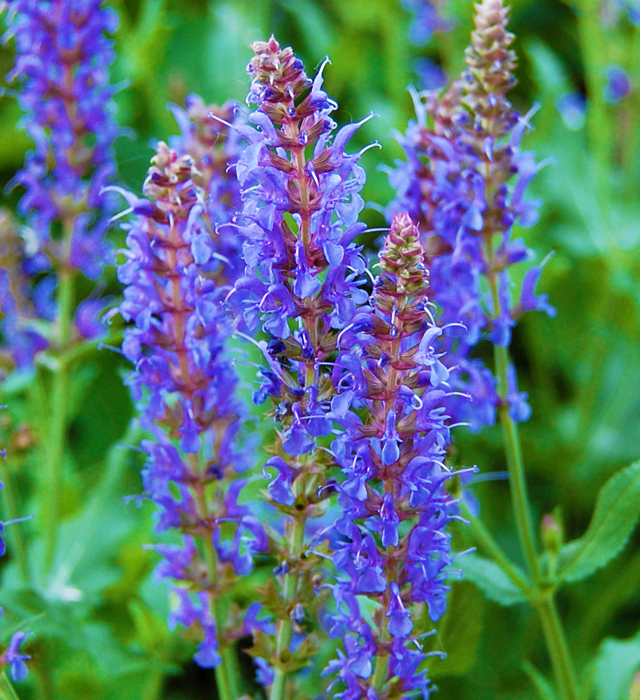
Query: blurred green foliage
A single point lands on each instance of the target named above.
(582, 370)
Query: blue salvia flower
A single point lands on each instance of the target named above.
(184, 386)
(62, 69)
(464, 182)
(392, 544)
(302, 285)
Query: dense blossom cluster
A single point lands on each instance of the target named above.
(184, 386)
(62, 64)
(302, 284)
(392, 545)
(464, 182)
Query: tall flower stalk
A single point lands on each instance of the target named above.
(184, 386)
(491, 63)
(63, 58)
(465, 178)
(393, 546)
(462, 155)
(301, 285)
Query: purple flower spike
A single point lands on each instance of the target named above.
(63, 57)
(70, 116)
(302, 287)
(464, 183)
(184, 386)
(393, 545)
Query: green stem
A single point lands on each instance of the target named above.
(486, 541)
(230, 660)
(17, 534)
(226, 685)
(380, 673)
(515, 467)
(58, 425)
(555, 637)
(382, 662)
(558, 647)
(285, 629)
(543, 600)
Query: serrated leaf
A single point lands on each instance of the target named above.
(490, 579)
(615, 665)
(614, 518)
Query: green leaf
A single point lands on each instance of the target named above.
(615, 664)
(490, 579)
(543, 687)
(615, 516)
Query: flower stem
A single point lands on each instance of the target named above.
(544, 602)
(558, 648)
(382, 661)
(285, 627)
(58, 411)
(515, 466)
(541, 593)
(380, 673)
(223, 681)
